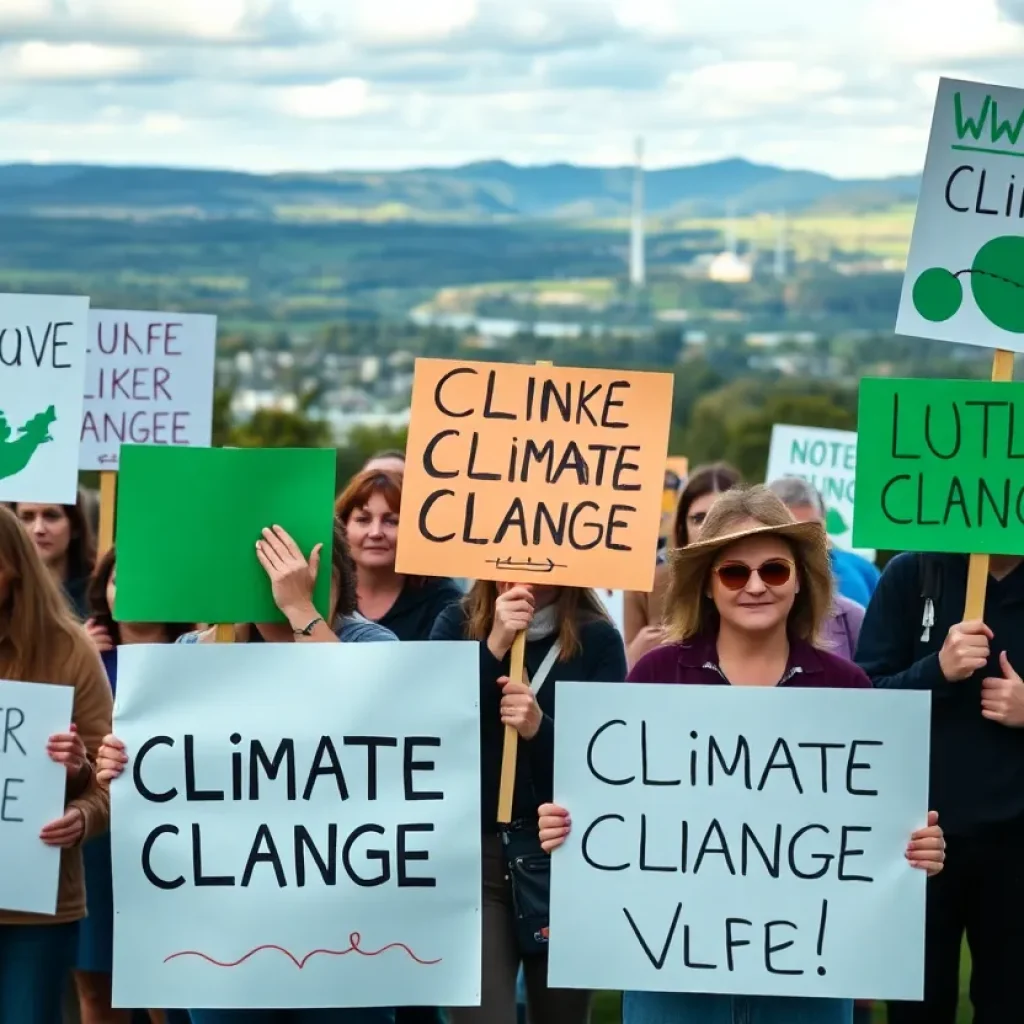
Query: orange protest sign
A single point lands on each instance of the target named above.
(536, 474)
(676, 469)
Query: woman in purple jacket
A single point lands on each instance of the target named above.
(747, 606)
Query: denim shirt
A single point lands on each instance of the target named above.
(350, 629)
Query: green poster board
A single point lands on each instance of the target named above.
(188, 520)
(940, 466)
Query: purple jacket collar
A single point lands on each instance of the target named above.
(702, 652)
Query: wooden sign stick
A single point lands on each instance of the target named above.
(977, 570)
(224, 633)
(108, 509)
(510, 750)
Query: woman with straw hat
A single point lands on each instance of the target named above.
(746, 607)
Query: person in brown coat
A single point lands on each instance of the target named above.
(40, 642)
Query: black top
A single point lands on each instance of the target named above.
(76, 593)
(977, 766)
(418, 605)
(601, 659)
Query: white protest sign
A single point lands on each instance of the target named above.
(149, 381)
(739, 840)
(965, 270)
(827, 459)
(31, 793)
(42, 374)
(298, 826)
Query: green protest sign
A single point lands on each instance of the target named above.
(940, 466)
(188, 520)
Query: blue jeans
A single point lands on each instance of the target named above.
(373, 1015)
(35, 964)
(684, 1008)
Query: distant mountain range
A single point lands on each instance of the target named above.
(487, 190)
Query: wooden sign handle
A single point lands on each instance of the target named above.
(977, 569)
(108, 509)
(510, 750)
(224, 633)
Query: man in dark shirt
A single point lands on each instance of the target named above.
(913, 638)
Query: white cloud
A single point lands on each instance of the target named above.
(342, 98)
(38, 61)
(839, 85)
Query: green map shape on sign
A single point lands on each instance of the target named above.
(835, 524)
(997, 283)
(188, 520)
(16, 455)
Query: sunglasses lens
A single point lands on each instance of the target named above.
(774, 574)
(734, 575)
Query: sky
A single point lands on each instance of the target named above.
(840, 86)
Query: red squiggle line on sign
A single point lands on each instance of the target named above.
(354, 939)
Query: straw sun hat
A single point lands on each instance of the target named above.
(735, 516)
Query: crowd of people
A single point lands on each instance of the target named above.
(750, 593)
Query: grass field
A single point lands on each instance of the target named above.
(607, 1004)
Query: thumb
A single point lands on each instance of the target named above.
(933, 818)
(73, 728)
(314, 561)
(1007, 668)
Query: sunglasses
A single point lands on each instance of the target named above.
(776, 572)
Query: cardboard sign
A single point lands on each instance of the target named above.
(965, 271)
(298, 827)
(42, 374)
(149, 380)
(31, 793)
(740, 840)
(188, 520)
(545, 474)
(675, 480)
(941, 466)
(828, 460)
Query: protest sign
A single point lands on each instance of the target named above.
(547, 474)
(267, 856)
(828, 460)
(149, 380)
(740, 840)
(188, 520)
(941, 465)
(31, 793)
(968, 235)
(42, 375)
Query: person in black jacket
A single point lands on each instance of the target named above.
(568, 637)
(913, 638)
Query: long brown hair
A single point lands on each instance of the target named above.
(574, 606)
(689, 611)
(101, 612)
(361, 488)
(38, 632)
(82, 546)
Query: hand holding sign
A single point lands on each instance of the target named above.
(292, 578)
(67, 831)
(519, 708)
(513, 613)
(1002, 697)
(67, 748)
(966, 649)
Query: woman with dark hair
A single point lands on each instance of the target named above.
(292, 579)
(644, 628)
(746, 606)
(407, 605)
(568, 636)
(40, 642)
(96, 933)
(64, 538)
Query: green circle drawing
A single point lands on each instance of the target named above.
(997, 281)
(937, 294)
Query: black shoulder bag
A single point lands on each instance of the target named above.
(528, 866)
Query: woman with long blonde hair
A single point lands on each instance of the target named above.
(746, 606)
(40, 642)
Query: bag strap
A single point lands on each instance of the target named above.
(545, 667)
